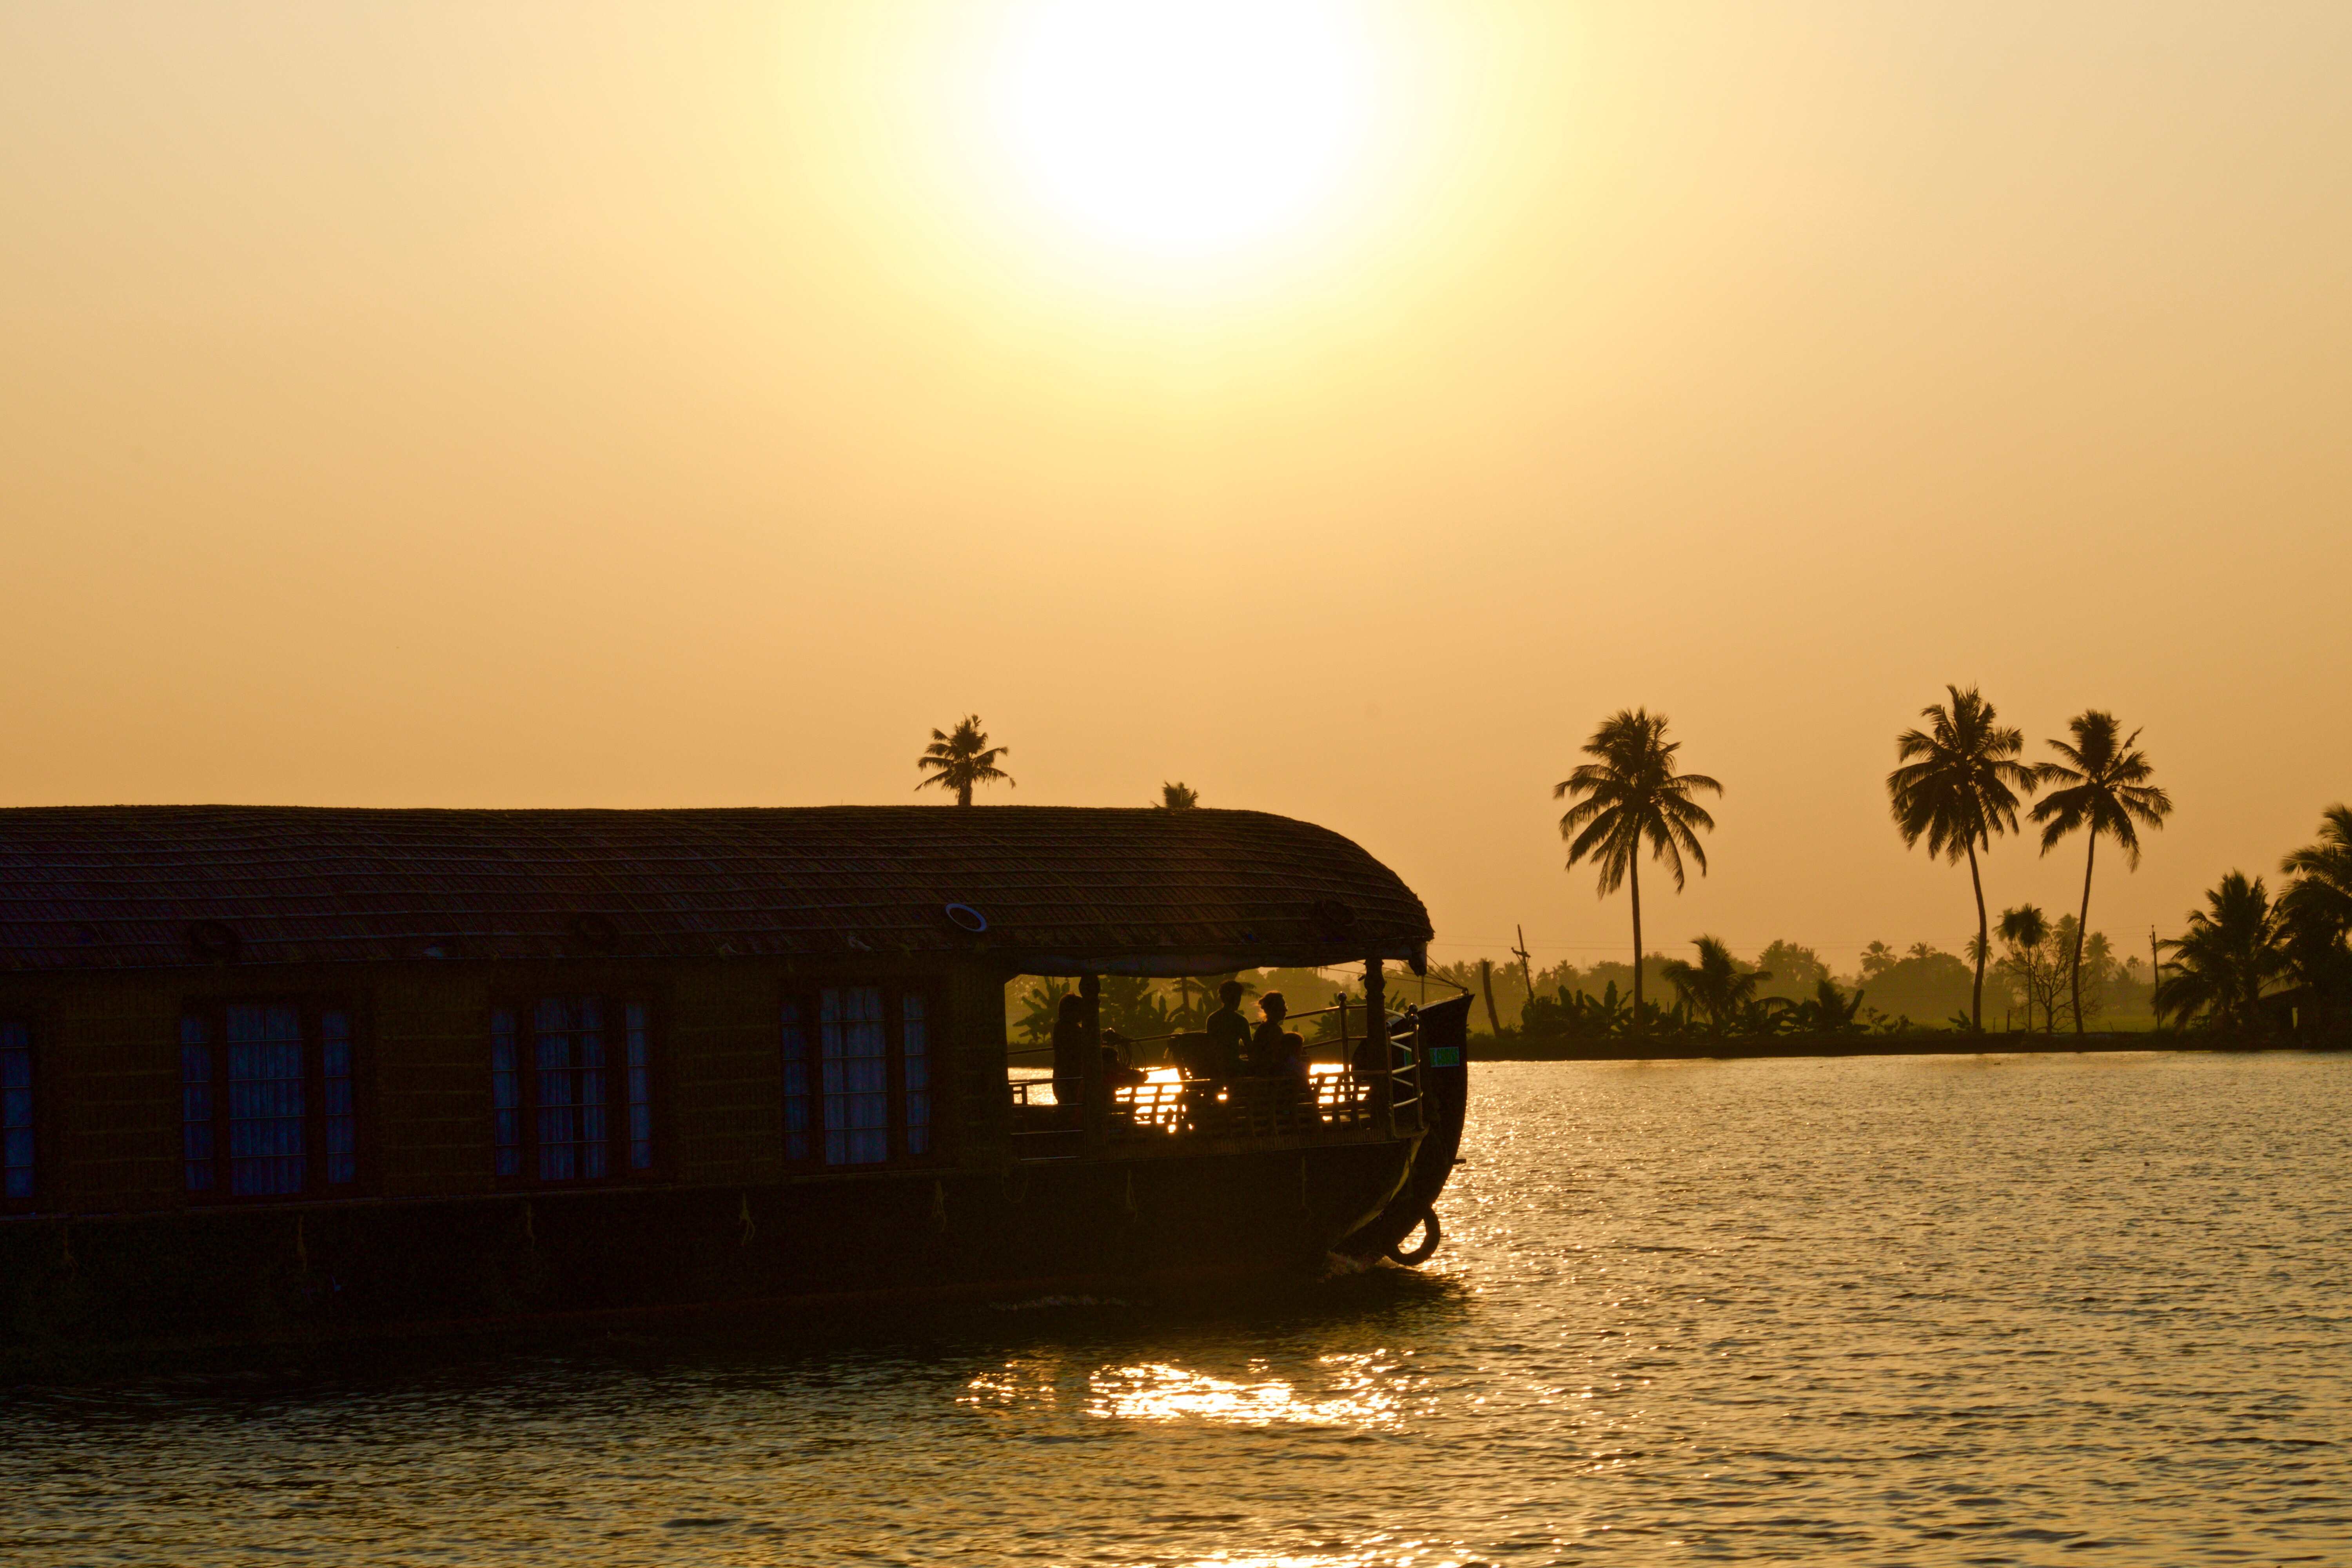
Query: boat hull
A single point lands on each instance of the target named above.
(1441, 1043)
(342, 1269)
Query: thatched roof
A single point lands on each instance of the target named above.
(1057, 889)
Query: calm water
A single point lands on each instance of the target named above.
(2000, 1309)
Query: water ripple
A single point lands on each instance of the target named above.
(1989, 1310)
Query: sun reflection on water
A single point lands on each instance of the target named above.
(1359, 1392)
(1385, 1557)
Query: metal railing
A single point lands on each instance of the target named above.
(1357, 1097)
(1277, 1107)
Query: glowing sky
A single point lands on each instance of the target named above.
(586, 404)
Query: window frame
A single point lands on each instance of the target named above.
(523, 1003)
(808, 997)
(38, 1095)
(312, 1008)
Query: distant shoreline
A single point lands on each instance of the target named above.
(1486, 1049)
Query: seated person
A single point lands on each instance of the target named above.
(1297, 1061)
(1229, 1035)
(1296, 1077)
(1119, 1069)
(1265, 1046)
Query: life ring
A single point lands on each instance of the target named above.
(593, 932)
(1421, 1253)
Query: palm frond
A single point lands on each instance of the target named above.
(2105, 789)
(1630, 796)
(960, 758)
(2230, 951)
(1958, 781)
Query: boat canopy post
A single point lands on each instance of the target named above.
(1376, 1027)
(1093, 1118)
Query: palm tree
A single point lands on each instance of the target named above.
(1133, 1005)
(2315, 910)
(1831, 1011)
(1041, 1004)
(1957, 787)
(2322, 872)
(2230, 951)
(2025, 928)
(1632, 792)
(962, 759)
(2104, 789)
(1714, 984)
(1177, 797)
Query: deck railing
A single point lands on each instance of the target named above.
(1354, 1099)
(1235, 1108)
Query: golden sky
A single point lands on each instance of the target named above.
(679, 405)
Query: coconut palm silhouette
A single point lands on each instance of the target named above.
(1831, 1011)
(1957, 786)
(2322, 872)
(2315, 911)
(962, 759)
(2102, 789)
(1715, 985)
(2025, 928)
(1629, 795)
(2230, 952)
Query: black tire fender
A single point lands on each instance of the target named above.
(1422, 1251)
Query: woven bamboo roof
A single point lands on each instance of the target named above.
(1053, 889)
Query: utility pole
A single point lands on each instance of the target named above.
(2154, 973)
(1094, 1104)
(1525, 972)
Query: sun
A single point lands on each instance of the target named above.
(1183, 128)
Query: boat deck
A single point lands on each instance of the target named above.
(1180, 1116)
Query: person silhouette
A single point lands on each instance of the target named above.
(1229, 1034)
(1265, 1047)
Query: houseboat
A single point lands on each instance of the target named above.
(289, 1072)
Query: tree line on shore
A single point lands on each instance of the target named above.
(1957, 785)
(1789, 989)
(1786, 989)
(2251, 963)
(2246, 964)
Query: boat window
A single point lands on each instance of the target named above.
(572, 1088)
(264, 1101)
(267, 1103)
(567, 1058)
(16, 1169)
(857, 1075)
